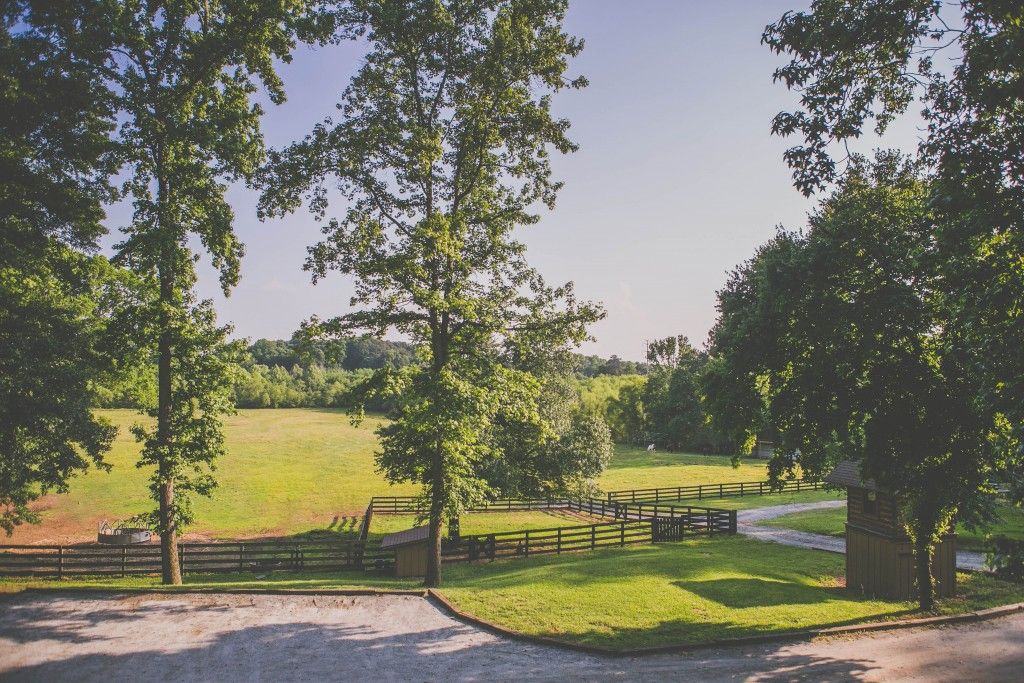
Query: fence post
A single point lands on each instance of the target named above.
(124, 559)
(181, 558)
(622, 533)
(527, 545)
(798, 486)
(721, 491)
(732, 521)
(60, 562)
(241, 557)
(558, 542)
(742, 493)
(593, 536)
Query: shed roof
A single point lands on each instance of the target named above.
(847, 473)
(417, 534)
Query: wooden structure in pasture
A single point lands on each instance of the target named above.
(411, 550)
(879, 555)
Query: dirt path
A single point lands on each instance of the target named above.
(748, 524)
(106, 638)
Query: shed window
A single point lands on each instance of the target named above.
(870, 503)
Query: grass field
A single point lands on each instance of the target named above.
(291, 471)
(285, 471)
(488, 522)
(639, 596)
(832, 522)
(748, 502)
(636, 468)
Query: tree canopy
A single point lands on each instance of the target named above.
(442, 150)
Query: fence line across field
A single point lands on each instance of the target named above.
(699, 491)
(629, 523)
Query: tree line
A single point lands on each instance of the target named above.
(441, 152)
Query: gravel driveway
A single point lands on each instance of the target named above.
(747, 522)
(192, 637)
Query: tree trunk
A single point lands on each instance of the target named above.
(433, 577)
(923, 549)
(171, 570)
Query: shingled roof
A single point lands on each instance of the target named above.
(414, 535)
(847, 473)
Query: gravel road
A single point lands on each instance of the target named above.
(192, 637)
(747, 523)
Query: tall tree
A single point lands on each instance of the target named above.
(443, 150)
(861, 63)
(838, 339)
(55, 298)
(182, 76)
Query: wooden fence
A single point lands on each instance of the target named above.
(633, 523)
(392, 505)
(699, 491)
(195, 558)
(637, 527)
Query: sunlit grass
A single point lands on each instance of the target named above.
(832, 522)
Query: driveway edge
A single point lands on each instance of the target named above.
(805, 634)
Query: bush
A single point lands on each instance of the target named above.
(1006, 558)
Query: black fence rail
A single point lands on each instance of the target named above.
(194, 558)
(385, 505)
(636, 526)
(699, 491)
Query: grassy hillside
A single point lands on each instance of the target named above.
(293, 470)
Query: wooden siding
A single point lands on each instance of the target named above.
(411, 560)
(882, 566)
(885, 518)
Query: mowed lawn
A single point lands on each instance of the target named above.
(832, 522)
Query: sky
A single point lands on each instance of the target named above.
(677, 180)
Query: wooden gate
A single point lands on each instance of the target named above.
(665, 530)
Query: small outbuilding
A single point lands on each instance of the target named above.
(879, 554)
(411, 550)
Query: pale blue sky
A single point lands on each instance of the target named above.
(677, 179)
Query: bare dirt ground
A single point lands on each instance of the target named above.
(191, 637)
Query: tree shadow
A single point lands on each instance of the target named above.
(752, 592)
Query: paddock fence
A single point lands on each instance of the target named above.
(699, 491)
(629, 530)
(194, 558)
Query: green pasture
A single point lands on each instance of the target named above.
(748, 502)
(292, 471)
(488, 522)
(285, 471)
(638, 596)
(832, 522)
(636, 468)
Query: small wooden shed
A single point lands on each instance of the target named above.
(411, 549)
(879, 554)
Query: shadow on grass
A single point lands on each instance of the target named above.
(743, 593)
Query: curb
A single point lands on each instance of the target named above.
(445, 605)
(88, 590)
(805, 634)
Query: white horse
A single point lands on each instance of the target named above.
(650, 448)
